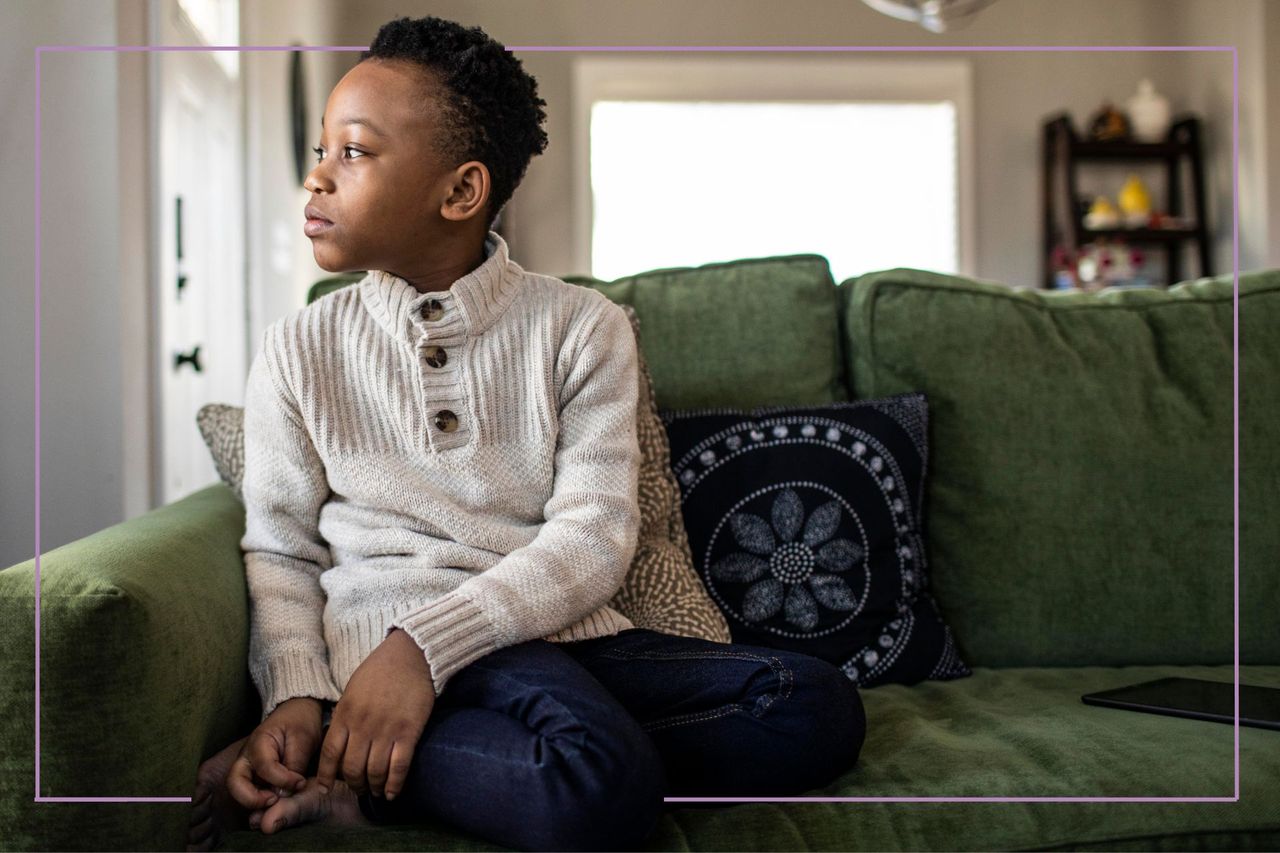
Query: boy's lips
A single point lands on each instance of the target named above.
(316, 227)
(317, 222)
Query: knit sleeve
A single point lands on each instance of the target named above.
(581, 555)
(284, 487)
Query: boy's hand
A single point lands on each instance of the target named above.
(379, 718)
(277, 752)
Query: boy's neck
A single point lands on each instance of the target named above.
(442, 279)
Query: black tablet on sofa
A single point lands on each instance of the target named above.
(1197, 699)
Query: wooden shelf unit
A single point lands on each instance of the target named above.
(1063, 154)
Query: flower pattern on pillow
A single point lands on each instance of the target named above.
(787, 574)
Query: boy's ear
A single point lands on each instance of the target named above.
(471, 190)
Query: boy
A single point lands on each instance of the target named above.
(441, 466)
(435, 421)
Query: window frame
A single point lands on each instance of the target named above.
(797, 77)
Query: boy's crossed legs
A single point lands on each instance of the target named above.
(573, 745)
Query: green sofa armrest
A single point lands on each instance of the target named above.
(144, 638)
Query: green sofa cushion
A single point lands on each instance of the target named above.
(743, 333)
(1079, 504)
(145, 624)
(999, 733)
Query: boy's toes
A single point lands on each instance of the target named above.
(205, 842)
(200, 811)
(305, 806)
(205, 784)
(203, 835)
(214, 812)
(201, 832)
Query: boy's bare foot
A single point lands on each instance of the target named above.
(339, 807)
(214, 812)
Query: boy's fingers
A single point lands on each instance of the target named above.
(378, 764)
(296, 758)
(335, 743)
(240, 784)
(355, 763)
(265, 758)
(401, 756)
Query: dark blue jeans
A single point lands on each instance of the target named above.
(572, 746)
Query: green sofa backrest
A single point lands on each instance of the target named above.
(329, 285)
(743, 333)
(1078, 506)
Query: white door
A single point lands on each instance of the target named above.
(201, 285)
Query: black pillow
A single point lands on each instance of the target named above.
(806, 529)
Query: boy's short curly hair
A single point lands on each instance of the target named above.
(489, 108)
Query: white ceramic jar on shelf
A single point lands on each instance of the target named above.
(1149, 113)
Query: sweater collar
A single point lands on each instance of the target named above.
(470, 305)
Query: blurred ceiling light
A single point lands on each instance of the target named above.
(934, 15)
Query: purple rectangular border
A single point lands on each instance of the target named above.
(1235, 366)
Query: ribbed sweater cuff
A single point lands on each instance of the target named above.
(294, 674)
(451, 631)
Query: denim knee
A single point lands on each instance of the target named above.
(615, 787)
(824, 719)
(838, 721)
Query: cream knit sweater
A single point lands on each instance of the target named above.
(462, 464)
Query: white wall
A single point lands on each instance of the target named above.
(1013, 91)
(281, 265)
(82, 436)
(1270, 80)
(95, 411)
(1206, 82)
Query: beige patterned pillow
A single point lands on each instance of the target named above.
(222, 428)
(662, 591)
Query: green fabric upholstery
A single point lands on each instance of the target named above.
(999, 733)
(753, 332)
(1079, 502)
(325, 286)
(144, 637)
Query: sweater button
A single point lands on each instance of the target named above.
(436, 356)
(433, 310)
(446, 421)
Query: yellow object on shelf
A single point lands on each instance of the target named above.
(1102, 214)
(1135, 202)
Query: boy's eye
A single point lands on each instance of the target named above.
(320, 152)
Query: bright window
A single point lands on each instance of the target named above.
(869, 185)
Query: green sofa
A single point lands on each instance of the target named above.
(1079, 522)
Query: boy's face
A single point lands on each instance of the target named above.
(394, 204)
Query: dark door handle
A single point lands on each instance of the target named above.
(193, 359)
